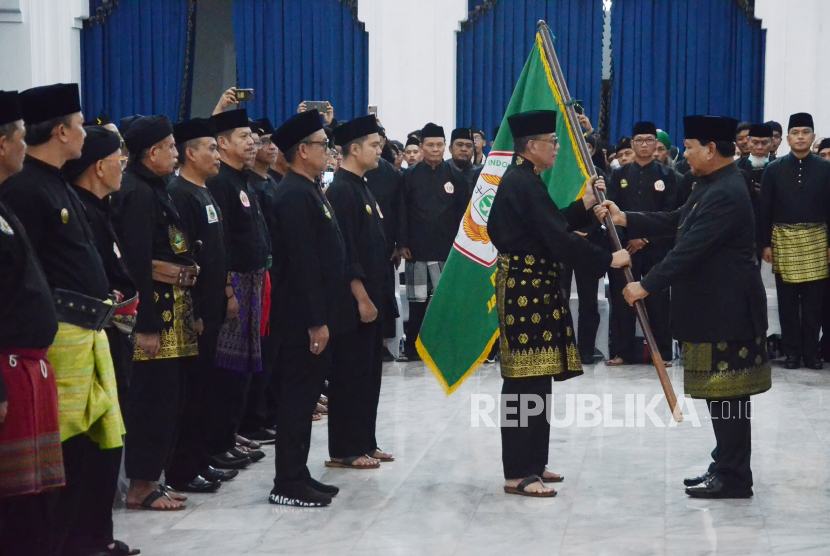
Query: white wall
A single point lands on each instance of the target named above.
(412, 60)
(796, 72)
(41, 42)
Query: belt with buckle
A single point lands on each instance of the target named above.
(171, 273)
(82, 310)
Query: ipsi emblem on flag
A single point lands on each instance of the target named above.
(472, 240)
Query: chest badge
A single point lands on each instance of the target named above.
(116, 250)
(244, 198)
(449, 188)
(5, 228)
(368, 209)
(623, 183)
(64, 216)
(327, 212)
(377, 206)
(212, 215)
(659, 185)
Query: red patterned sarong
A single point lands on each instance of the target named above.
(31, 459)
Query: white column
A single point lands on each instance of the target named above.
(412, 61)
(41, 40)
(796, 77)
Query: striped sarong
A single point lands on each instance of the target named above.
(422, 279)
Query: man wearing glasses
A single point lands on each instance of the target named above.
(94, 177)
(642, 186)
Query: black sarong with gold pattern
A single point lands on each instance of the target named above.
(726, 369)
(537, 336)
(178, 338)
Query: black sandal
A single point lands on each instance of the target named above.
(121, 549)
(520, 488)
(147, 503)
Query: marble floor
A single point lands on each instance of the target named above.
(622, 494)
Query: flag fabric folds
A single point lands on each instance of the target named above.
(461, 325)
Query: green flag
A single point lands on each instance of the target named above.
(461, 324)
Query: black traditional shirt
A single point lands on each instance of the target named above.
(524, 219)
(148, 225)
(27, 311)
(99, 213)
(717, 292)
(471, 174)
(649, 188)
(246, 234)
(202, 221)
(386, 184)
(361, 224)
(265, 190)
(309, 286)
(57, 228)
(794, 191)
(275, 175)
(436, 200)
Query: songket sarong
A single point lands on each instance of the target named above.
(31, 459)
(800, 252)
(87, 392)
(536, 329)
(240, 348)
(178, 338)
(726, 369)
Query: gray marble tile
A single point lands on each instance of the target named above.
(623, 492)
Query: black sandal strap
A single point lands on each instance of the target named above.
(152, 497)
(527, 481)
(122, 549)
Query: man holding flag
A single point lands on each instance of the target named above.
(534, 241)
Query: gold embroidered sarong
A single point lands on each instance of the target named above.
(87, 393)
(178, 339)
(536, 329)
(726, 369)
(800, 252)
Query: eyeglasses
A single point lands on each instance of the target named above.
(258, 144)
(122, 159)
(640, 142)
(324, 144)
(553, 141)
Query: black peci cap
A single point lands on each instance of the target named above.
(10, 110)
(708, 129)
(146, 131)
(355, 129)
(296, 128)
(51, 101)
(100, 143)
(535, 122)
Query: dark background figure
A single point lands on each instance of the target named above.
(795, 213)
(644, 186)
(436, 196)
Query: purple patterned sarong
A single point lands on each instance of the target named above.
(239, 346)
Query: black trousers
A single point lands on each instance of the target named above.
(121, 349)
(412, 327)
(226, 394)
(92, 530)
(586, 290)
(261, 394)
(624, 318)
(190, 457)
(524, 450)
(800, 311)
(300, 374)
(153, 417)
(25, 529)
(81, 512)
(354, 390)
(732, 422)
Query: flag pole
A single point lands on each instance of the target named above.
(642, 316)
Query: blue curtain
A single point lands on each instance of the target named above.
(290, 51)
(493, 48)
(137, 58)
(674, 58)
